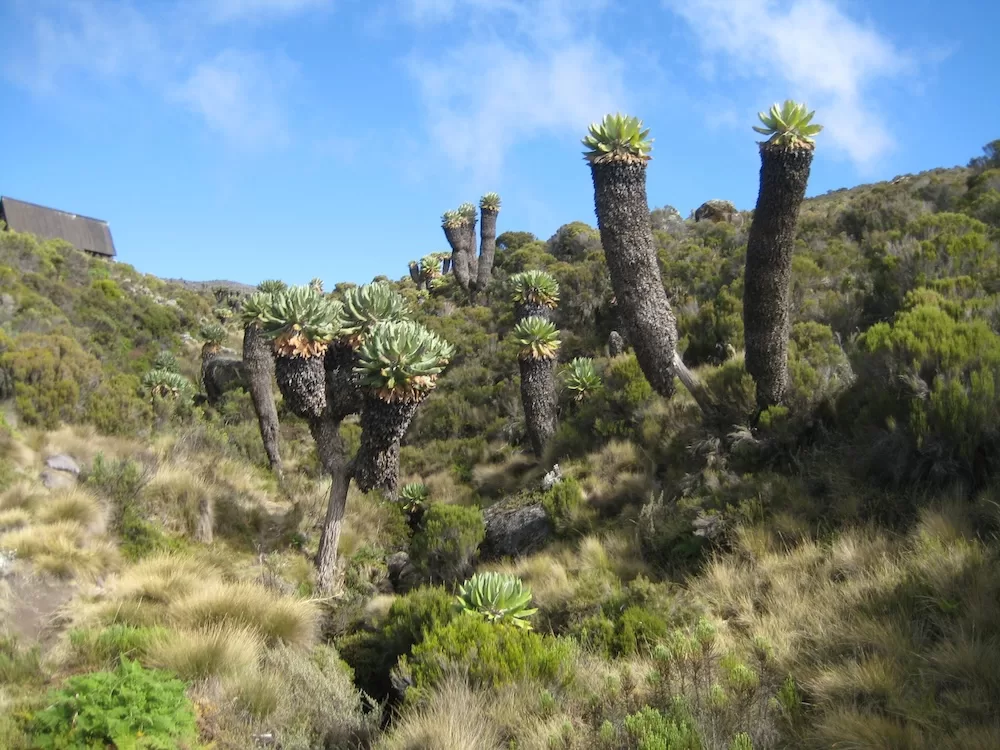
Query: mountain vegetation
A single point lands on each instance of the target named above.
(470, 508)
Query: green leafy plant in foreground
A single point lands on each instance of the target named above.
(131, 708)
(499, 597)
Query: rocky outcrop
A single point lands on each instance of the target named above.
(223, 374)
(60, 471)
(515, 530)
(718, 210)
(402, 574)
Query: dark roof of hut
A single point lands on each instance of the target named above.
(83, 232)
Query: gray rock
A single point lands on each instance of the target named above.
(62, 462)
(718, 210)
(402, 575)
(223, 374)
(7, 558)
(515, 531)
(55, 480)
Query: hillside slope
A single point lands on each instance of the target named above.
(826, 576)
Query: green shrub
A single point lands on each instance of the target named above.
(131, 707)
(115, 407)
(562, 501)
(372, 655)
(444, 548)
(492, 654)
(818, 368)
(50, 374)
(651, 730)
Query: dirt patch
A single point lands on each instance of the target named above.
(30, 605)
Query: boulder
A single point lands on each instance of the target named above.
(402, 575)
(616, 344)
(512, 531)
(55, 480)
(221, 375)
(62, 462)
(718, 210)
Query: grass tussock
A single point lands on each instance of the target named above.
(454, 717)
(75, 505)
(22, 496)
(278, 619)
(60, 548)
(217, 651)
(893, 641)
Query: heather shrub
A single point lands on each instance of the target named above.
(444, 548)
(491, 654)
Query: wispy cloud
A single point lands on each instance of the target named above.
(82, 37)
(526, 68)
(167, 50)
(815, 50)
(231, 10)
(239, 96)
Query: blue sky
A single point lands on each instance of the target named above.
(252, 139)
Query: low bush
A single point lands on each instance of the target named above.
(444, 548)
(131, 707)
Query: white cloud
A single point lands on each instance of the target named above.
(814, 50)
(87, 37)
(230, 10)
(239, 96)
(530, 69)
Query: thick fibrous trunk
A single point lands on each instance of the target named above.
(302, 381)
(784, 173)
(694, 386)
(332, 450)
(531, 310)
(538, 397)
(208, 353)
(259, 363)
(469, 243)
(383, 425)
(459, 259)
(487, 247)
(343, 390)
(415, 274)
(627, 237)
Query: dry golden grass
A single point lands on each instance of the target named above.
(23, 495)
(617, 474)
(173, 498)
(75, 505)
(453, 718)
(216, 651)
(278, 619)
(82, 442)
(14, 518)
(61, 548)
(896, 641)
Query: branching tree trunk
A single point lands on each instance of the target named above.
(487, 245)
(259, 363)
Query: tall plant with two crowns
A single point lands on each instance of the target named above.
(454, 226)
(618, 153)
(489, 208)
(468, 213)
(259, 363)
(539, 343)
(399, 364)
(534, 294)
(786, 158)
